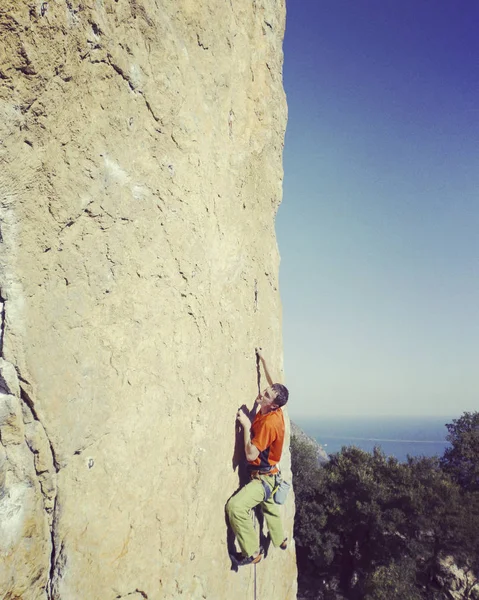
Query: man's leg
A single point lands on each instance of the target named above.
(272, 517)
(238, 509)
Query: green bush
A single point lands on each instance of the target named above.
(369, 527)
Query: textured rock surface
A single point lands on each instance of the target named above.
(140, 173)
(459, 583)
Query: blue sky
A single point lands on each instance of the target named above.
(378, 229)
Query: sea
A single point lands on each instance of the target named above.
(396, 436)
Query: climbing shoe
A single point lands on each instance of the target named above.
(249, 560)
(240, 561)
(284, 544)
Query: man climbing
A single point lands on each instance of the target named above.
(263, 443)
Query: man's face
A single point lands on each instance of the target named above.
(267, 398)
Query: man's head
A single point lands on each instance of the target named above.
(282, 394)
(274, 396)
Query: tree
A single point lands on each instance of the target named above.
(376, 512)
(461, 460)
(369, 527)
(314, 542)
(434, 514)
(395, 581)
(352, 517)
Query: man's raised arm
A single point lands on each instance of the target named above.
(259, 353)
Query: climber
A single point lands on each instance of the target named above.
(263, 442)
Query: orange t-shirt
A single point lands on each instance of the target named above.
(267, 434)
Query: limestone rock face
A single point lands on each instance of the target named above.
(140, 173)
(459, 582)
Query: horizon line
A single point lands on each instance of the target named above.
(372, 415)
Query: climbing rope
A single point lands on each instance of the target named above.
(254, 525)
(258, 379)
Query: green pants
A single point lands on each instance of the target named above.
(239, 507)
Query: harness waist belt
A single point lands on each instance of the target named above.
(272, 471)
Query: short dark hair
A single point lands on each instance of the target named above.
(282, 394)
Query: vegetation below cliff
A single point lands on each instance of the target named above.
(369, 527)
